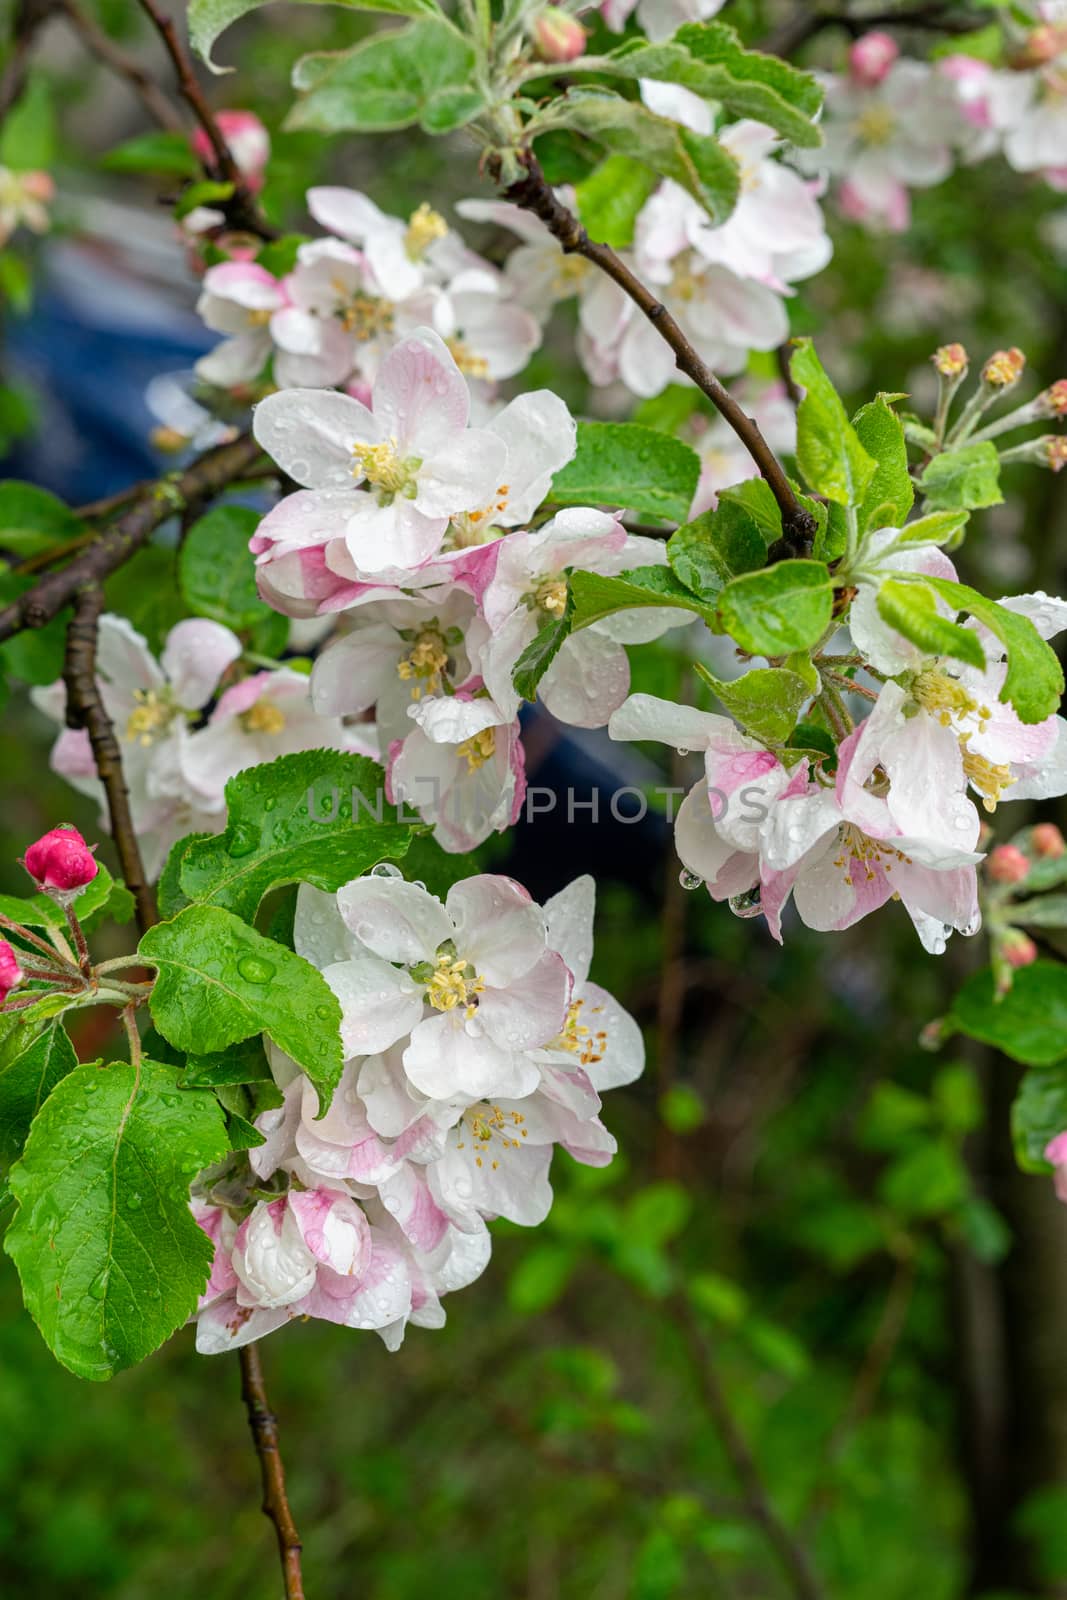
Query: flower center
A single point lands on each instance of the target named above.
(859, 850)
(579, 1040)
(551, 596)
(469, 364)
(945, 697)
(385, 470)
(364, 316)
(569, 273)
(260, 318)
(150, 717)
(875, 125)
(424, 226)
(453, 982)
(476, 527)
(485, 1123)
(685, 283)
(263, 717)
(478, 749)
(426, 661)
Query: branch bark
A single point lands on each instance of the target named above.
(120, 541)
(104, 48)
(533, 193)
(264, 1426)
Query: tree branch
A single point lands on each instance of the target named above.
(534, 194)
(809, 21)
(104, 48)
(204, 479)
(792, 1557)
(264, 1426)
(241, 209)
(30, 17)
(86, 709)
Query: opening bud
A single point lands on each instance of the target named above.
(1047, 840)
(557, 35)
(1007, 864)
(10, 971)
(950, 361)
(1054, 451)
(1052, 402)
(61, 861)
(871, 57)
(1004, 368)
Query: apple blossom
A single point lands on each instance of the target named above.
(1047, 840)
(10, 971)
(658, 18)
(61, 860)
(462, 768)
(24, 201)
(558, 36)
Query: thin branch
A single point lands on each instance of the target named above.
(264, 1426)
(792, 1557)
(104, 48)
(534, 194)
(241, 210)
(117, 543)
(30, 17)
(86, 709)
(809, 21)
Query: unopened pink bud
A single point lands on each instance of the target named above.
(1053, 400)
(10, 971)
(1047, 840)
(247, 141)
(1007, 864)
(39, 186)
(1018, 949)
(871, 57)
(1043, 45)
(61, 860)
(557, 35)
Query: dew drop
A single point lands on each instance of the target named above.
(245, 839)
(690, 880)
(253, 969)
(745, 905)
(133, 1202)
(386, 869)
(98, 1287)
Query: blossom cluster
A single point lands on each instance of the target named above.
(893, 124)
(474, 1045)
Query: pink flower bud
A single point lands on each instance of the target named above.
(1018, 949)
(1053, 400)
(1047, 840)
(61, 860)
(950, 361)
(39, 186)
(1053, 451)
(871, 57)
(1007, 864)
(10, 971)
(247, 141)
(557, 35)
(1004, 368)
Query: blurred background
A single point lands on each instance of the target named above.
(876, 1299)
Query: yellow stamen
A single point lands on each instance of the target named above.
(468, 363)
(988, 777)
(427, 661)
(552, 596)
(424, 226)
(454, 983)
(263, 717)
(364, 317)
(876, 125)
(382, 467)
(150, 717)
(478, 749)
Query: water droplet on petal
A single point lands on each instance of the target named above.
(745, 905)
(690, 880)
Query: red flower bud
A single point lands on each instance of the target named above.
(1018, 949)
(557, 35)
(61, 860)
(1007, 864)
(1047, 840)
(10, 971)
(871, 57)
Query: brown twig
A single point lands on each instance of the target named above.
(117, 543)
(264, 1426)
(86, 709)
(30, 17)
(792, 1557)
(104, 48)
(809, 21)
(533, 193)
(241, 210)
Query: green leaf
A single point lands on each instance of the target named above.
(217, 571)
(710, 61)
(753, 500)
(16, 282)
(1046, 911)
(167, 153)
(1029, 1023)
(202, 194)
(279, 256)
(927, 1181)
(209, 18)
(219, 981)
(634, 468)
(311, 817)
(610, 198)
(423, 73)
(911, 609)
(28, 134)
(241, 1063)
(829, 453)
(32, 1061)
(32, 520)
(595, 596)
(145, 590)
(766, 702)
(1038, 1114)
(1034, 682)
(938, 527)
(695, 160)
(963, 480)
(542, 651)
(170, 896)
(715, 547)
(110, 1258)
(890, 494)
(783, 608)
(541, 1278)
(104, 897)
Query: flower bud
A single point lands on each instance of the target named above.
(10, 971)
(950, 361)
(557, 35)
(871, 57)
(247, 141)
(61, 860)
(1007, 864)
(1004, 368)
(1043, 45)
(1054, 451)
(1018, 949)
(1047, 840)
(271, 1259)
(1052, 402)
